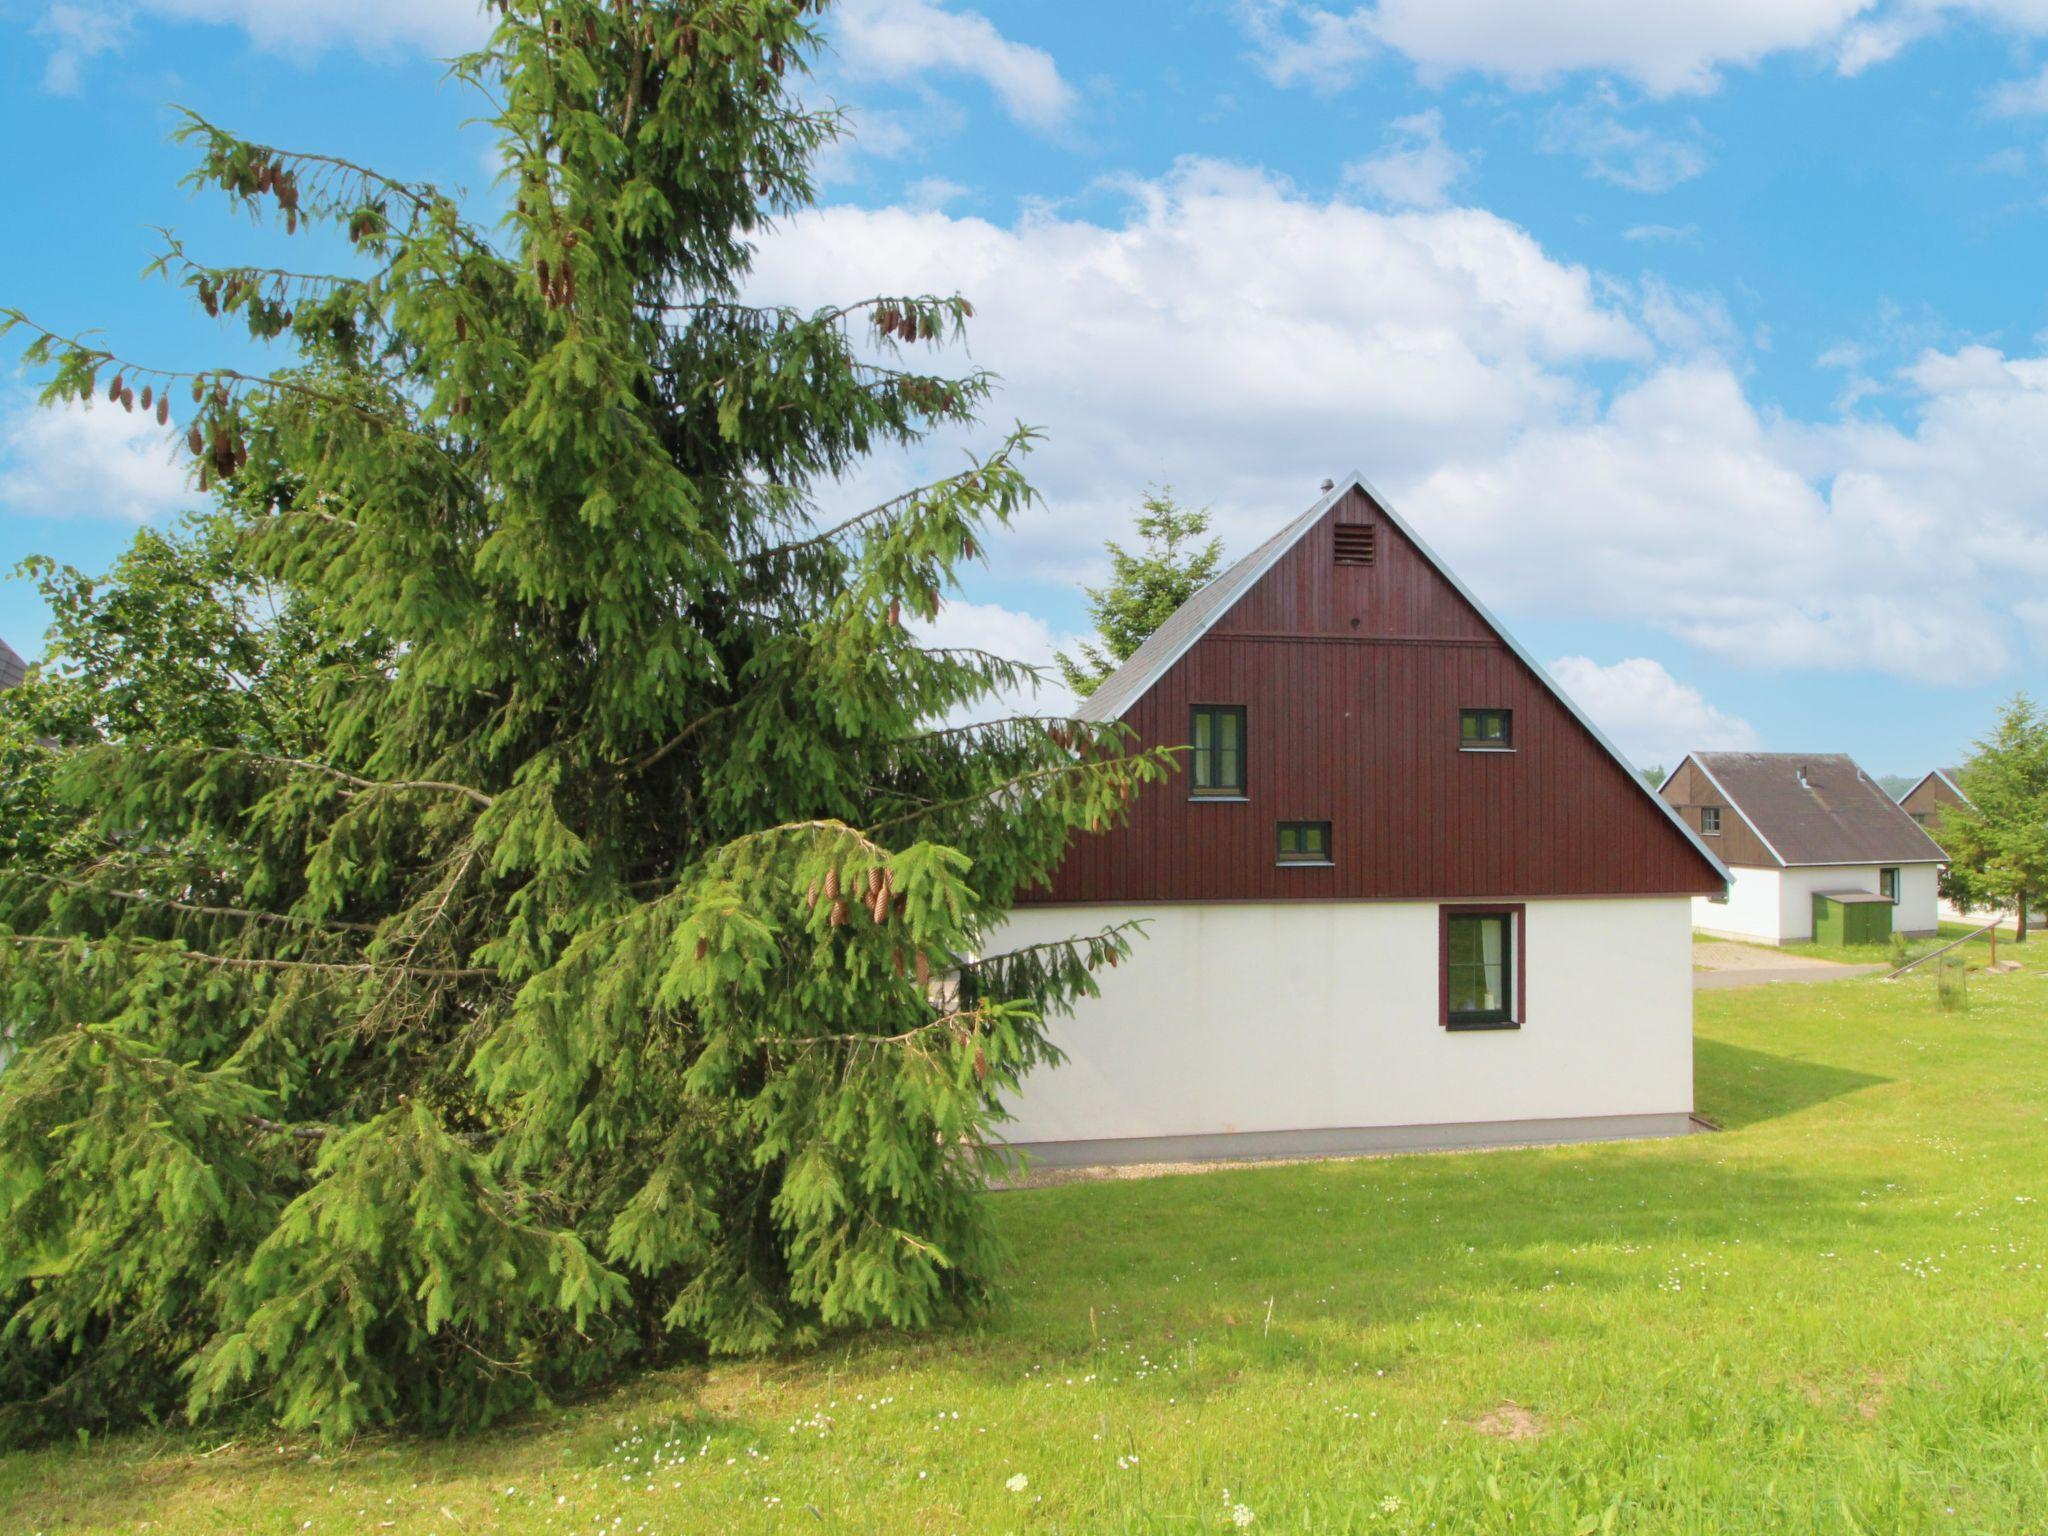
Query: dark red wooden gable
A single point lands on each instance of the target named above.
(1352, 676)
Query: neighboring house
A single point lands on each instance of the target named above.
(1401, 894)
(1796, 826)
(1935, 793)
(1924, 802)
(12, 668)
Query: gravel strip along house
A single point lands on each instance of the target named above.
(1402, 894)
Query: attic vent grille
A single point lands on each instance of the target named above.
(1354, 543)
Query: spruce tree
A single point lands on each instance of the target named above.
(1144, 588)
(599, 967)
(1997, 842)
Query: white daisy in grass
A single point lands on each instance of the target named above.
(1018, 1482)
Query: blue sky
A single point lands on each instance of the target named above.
(1705, 340)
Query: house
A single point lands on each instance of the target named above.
(1935, 793)
(1402, 894)
(12, 668)
(1937, 790)
(1805, 835)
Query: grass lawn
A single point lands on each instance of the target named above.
(1832, 1317)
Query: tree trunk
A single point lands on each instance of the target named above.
(2020, 929)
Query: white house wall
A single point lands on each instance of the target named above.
(1250, 1029)
(1775, 906)
(1754, 908)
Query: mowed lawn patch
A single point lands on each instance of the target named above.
(1831, 1317)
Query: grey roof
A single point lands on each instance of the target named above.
(1190, 621)
(1818, 808)
(1194, 618)
(12, 668)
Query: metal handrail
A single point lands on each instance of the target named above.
(1975, 933)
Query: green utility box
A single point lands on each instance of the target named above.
(1851, 917)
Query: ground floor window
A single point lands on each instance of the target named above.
(1888, 885)
(1482, 967)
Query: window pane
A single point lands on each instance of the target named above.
(1226, 732)
(1290, 840)
(1468, 727)
(1478, 967)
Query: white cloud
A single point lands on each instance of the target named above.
(1648, 713)
(1002, 632)
(1415, 168)
(373, 26)
(2021, 98)
(1675, 234)
(1234, 338)
(1231, 337)
(87, 461)
(1668, 47)
(1303, 44)
(903, 41)
(1631, 156)
(78, 34)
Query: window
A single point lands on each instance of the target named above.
(1217, 731)
(1888, 884)
(1921, 817)
(1482, 965)
(1303, 842)
(1486, 730)
(1710, 821)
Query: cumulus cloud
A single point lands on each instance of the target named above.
(1415, 168)
(1009, 633)
(86, 461)
(903, 41)
(1232, 337)
(1653, 717)
(1579, 448)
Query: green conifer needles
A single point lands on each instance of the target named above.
(576, 948)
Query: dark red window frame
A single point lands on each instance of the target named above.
(1517, 912)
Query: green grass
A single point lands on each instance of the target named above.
(1832, 1317)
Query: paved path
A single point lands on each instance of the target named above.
(1746, 965)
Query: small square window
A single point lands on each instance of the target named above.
(1216, 765)
(1303, 842)
(1486, 730)
(1710, 821)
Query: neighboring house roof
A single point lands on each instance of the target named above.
(12, 668)
(1817, 808)
(1942, 775)
(1194, 618)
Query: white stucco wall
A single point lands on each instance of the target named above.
(1754, 908)
(1776, 906)
(1265, 1017)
